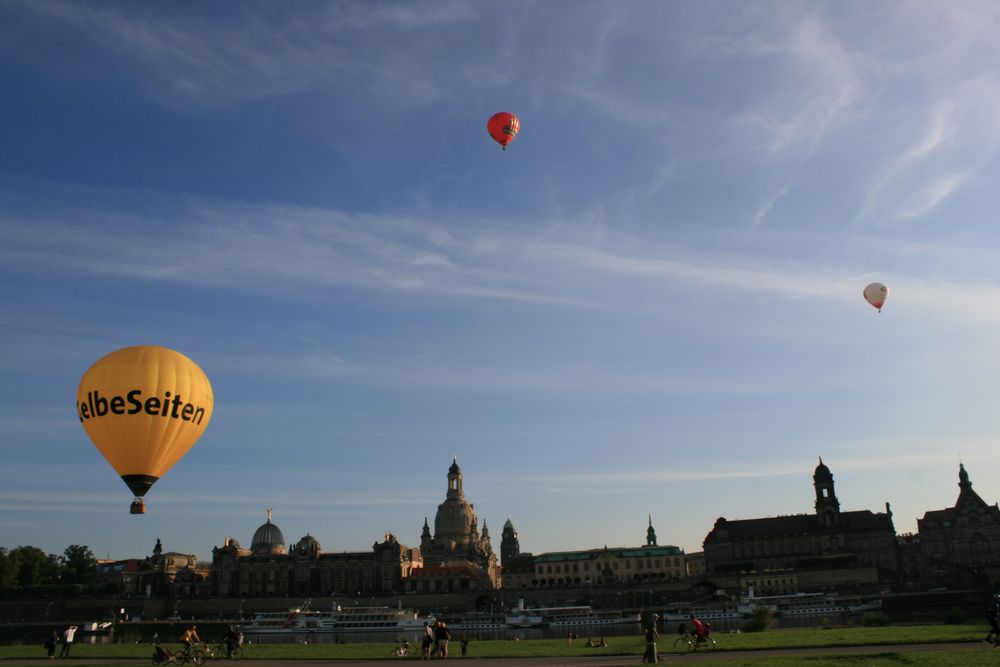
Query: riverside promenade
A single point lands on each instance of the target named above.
(989, 653)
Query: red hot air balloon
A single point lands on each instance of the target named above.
(503, 127)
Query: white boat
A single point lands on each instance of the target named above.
(816, 604)
(708, 614)
(567, 617)
(476, 621)
(337, 620)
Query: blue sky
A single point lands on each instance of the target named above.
(649, 304)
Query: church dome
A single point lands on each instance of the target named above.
(455, 517)
(268, 539)
(822, 472)
(307, 545)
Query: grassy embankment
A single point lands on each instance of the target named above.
(555, 648)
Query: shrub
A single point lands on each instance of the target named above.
(875, 619)
(955, 616)
(760, 619)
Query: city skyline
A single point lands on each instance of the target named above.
(649, 303)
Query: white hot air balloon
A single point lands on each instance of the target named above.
(876, 294)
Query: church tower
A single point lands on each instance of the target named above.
(650, 533)
(509, 546)
(827, 505)
(425, 538)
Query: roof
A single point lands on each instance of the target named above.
(799, 524)
(619, 552)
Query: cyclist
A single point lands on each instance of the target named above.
(699, 630)
(189, 638)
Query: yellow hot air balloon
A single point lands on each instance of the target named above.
(144, 407)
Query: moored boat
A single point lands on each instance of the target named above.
(567, 617)
(337, 620)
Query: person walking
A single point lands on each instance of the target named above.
(993, 616)
(441, 638)
(51, 643)
(67, 641)
(427, 642)
(650, 656)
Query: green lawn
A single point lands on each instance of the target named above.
(804, 638)
(958, 658)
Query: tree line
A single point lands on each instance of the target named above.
(29, 569)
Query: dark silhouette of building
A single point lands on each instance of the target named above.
(509, 546)
(836, 547)
(960, 545)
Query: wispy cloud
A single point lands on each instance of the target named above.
(189, 61)
(768, 204)
(624, 480)
(958, 140)
(278, 246)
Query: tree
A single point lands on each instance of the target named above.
(33, 567)
(6, 569)
(78, 565)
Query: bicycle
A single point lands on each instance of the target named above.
(193, 654)
(685, 644)
(219, 652)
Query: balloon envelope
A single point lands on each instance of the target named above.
(503, 127)
(144, 407)
(876, 294)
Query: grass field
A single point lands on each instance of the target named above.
(957, 658)
(554, 648)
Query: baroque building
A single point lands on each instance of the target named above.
(170, 573)
(456, 539)
(961, 544)
(805, 551)
(509, 546)
(594, 567)
(268, 568)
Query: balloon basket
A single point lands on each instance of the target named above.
(137, 507)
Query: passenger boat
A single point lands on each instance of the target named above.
(337, 620)
(709, 614)
(475, 621)
(567, 617)
(790, 604)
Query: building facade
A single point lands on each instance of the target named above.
(961, 544)
(603, 566)
(860, 545)
(268, 568)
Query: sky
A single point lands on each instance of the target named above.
(648, 305)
